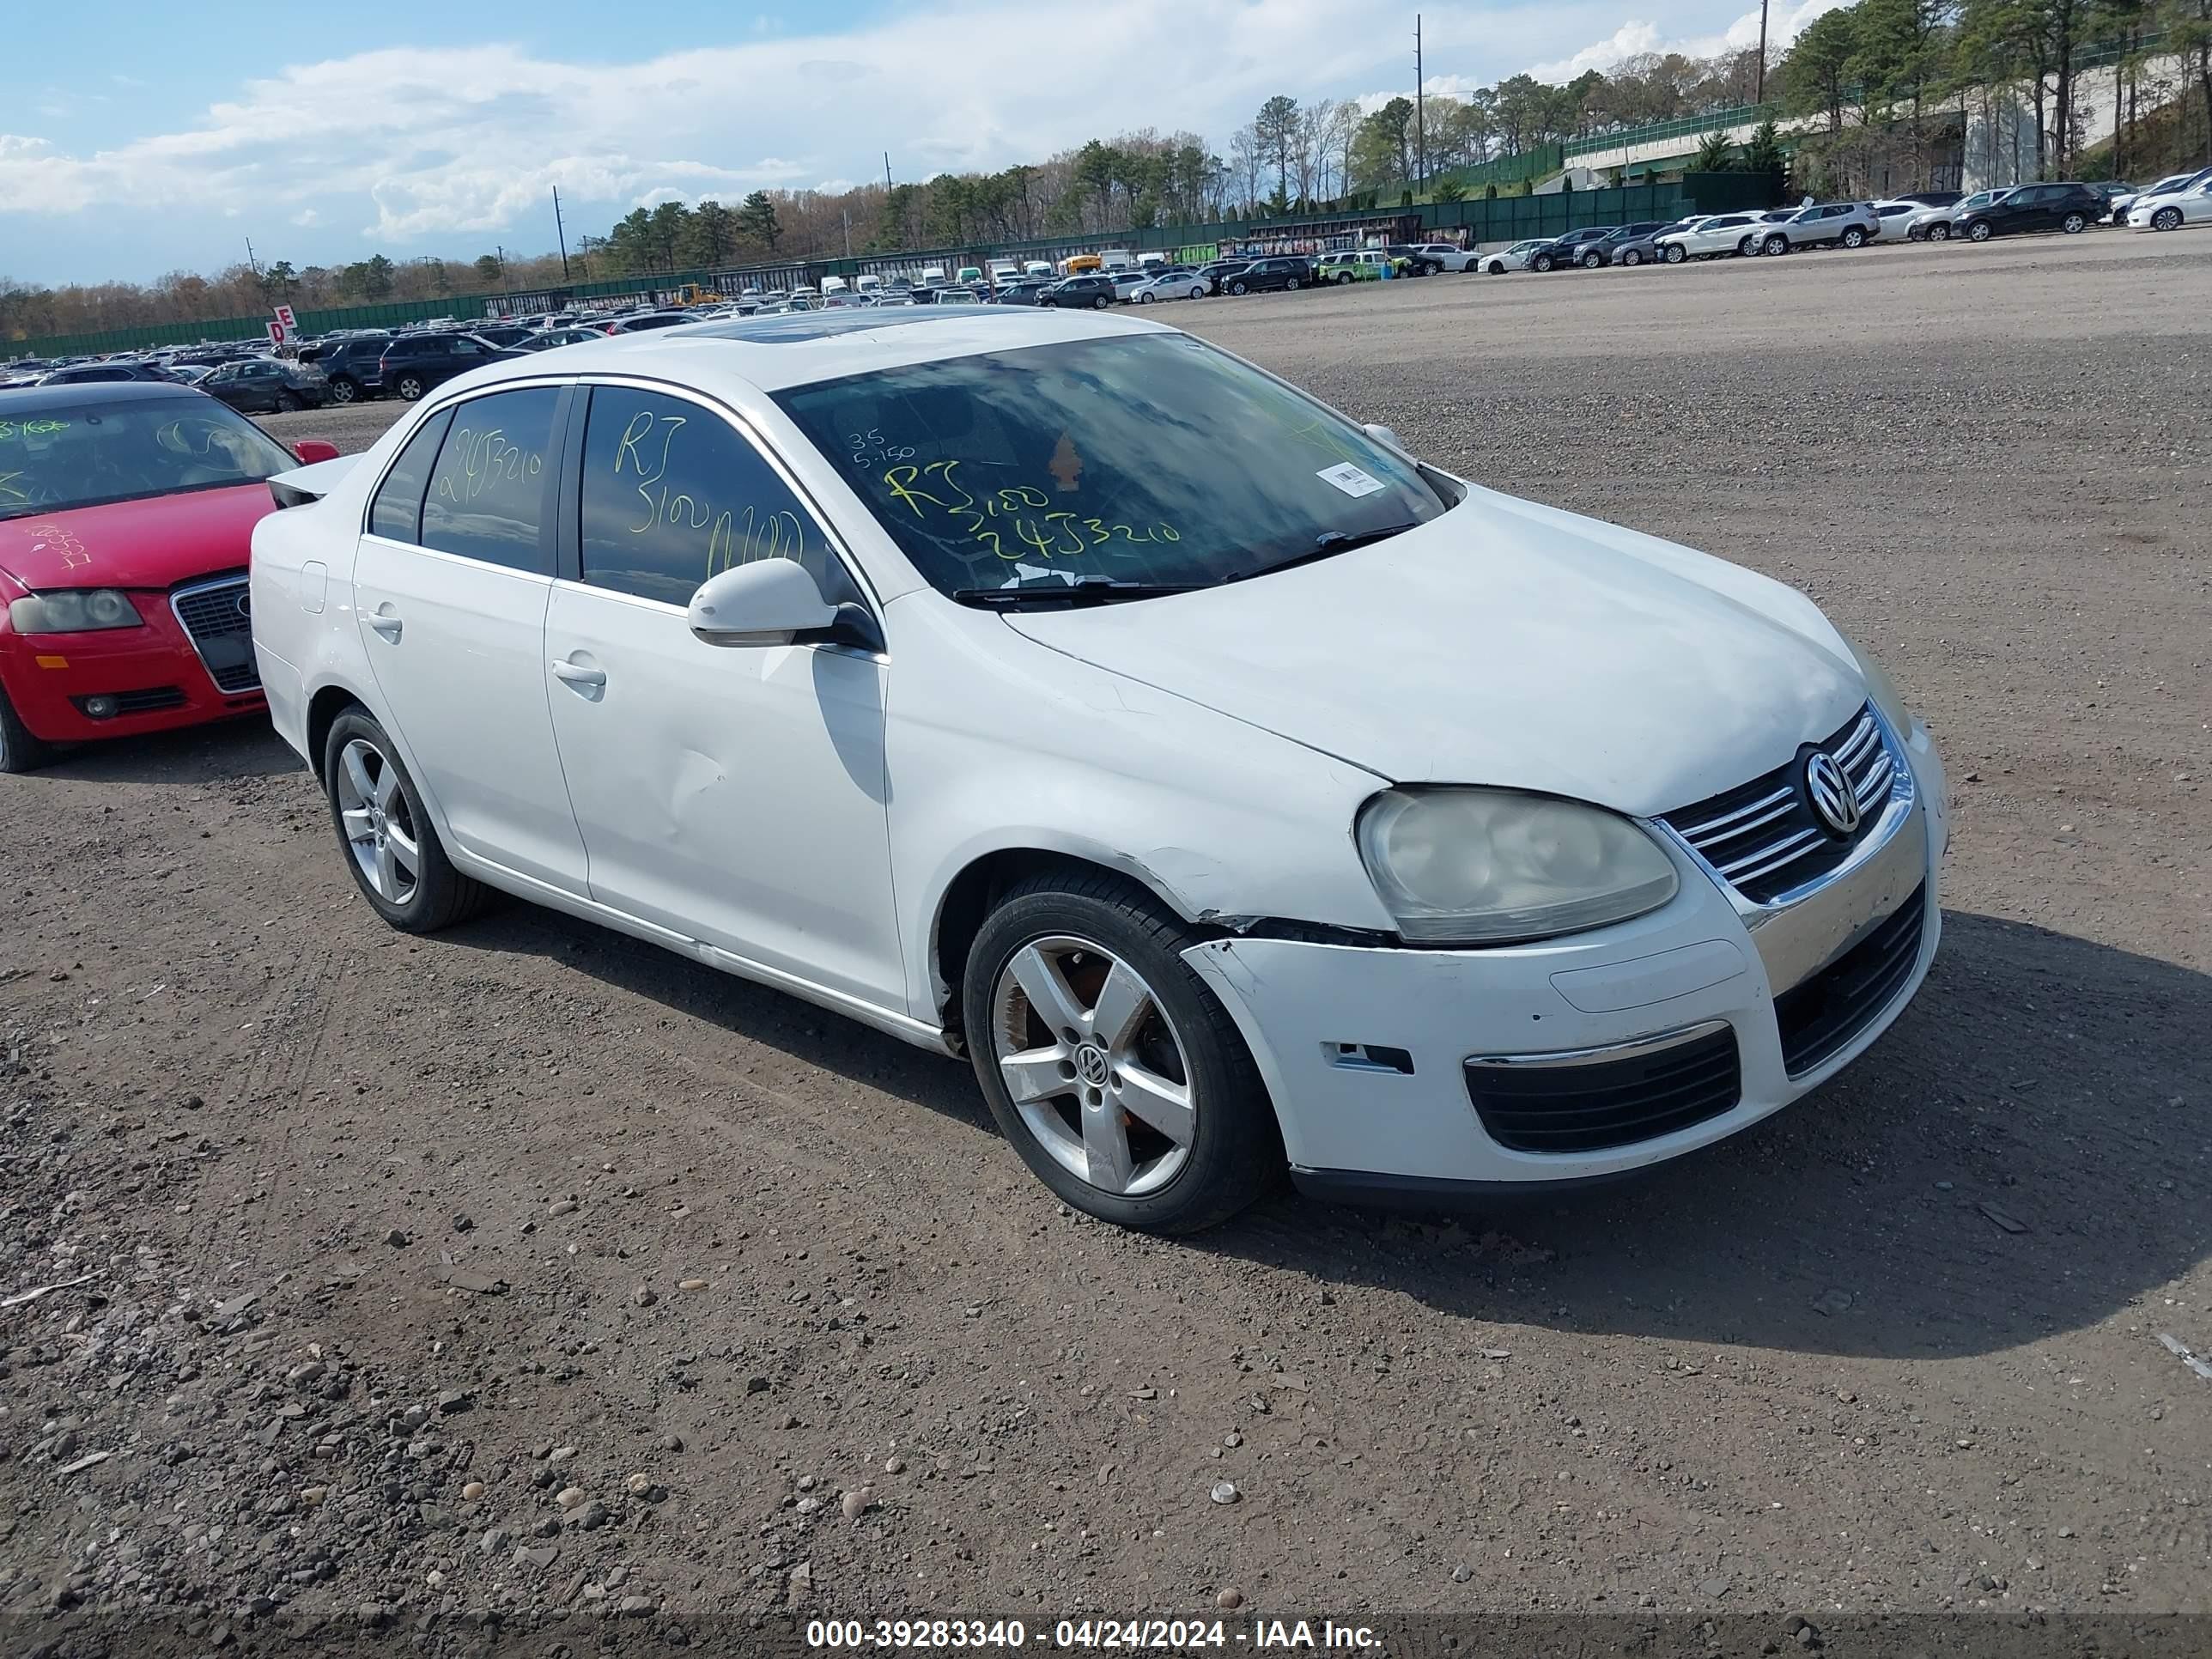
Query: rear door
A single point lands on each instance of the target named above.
(734, 795)
(450, 587)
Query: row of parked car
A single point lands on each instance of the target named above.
(1940, 216)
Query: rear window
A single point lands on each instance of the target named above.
(89, 454)
(1151, 459)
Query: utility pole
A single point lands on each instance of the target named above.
(1759, 96)
(253, 262)
(500, 253)
(561, 232)
(1421, 112)
(887, 172)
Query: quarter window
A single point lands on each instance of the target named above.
(397, 513)
(672, 493)
(487, 491)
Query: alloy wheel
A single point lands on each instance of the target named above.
(1094, 1064)
(1980, 232)
(342, 391)
(2166, 219)
(379, 824)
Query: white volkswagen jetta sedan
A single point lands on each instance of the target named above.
(1061, 691)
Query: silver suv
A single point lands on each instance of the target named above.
(1848, 224)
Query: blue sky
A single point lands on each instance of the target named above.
(139, 138)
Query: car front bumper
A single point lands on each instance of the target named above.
(154, 672)
(1377, 1057)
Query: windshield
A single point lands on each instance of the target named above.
(1150, 459)
(84, 455)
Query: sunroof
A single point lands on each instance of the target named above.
(792, 327)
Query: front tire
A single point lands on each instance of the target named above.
(1496, 267)
(19, 750)
(343, 390)
(1978, 231)
(1592, 261)
(1676, 253)
(1239, 288)
(1775, 244)
(1144, 298)
(1542, 262)
(1939, 233)
(390, 844)
(2166, 219)
(288, 402)
(411, 388)
(1108, 1064)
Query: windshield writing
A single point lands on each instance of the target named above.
(119, 452)
(1151, 458)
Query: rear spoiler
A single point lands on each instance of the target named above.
(304, 484)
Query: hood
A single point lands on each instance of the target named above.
(156, 543)
(1503, 644)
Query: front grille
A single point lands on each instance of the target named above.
(1763, 837)
(150, 701)
(216, 615)
(1828, 1011)
(1588, 1107)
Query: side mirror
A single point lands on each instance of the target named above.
(311, 450)
(766, 601)
(1383, 435)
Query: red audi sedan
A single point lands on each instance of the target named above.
(126, 512)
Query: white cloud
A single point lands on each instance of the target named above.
(415, 146)
(1638, 36)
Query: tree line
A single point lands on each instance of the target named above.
(1873, 69)
(1871, 72)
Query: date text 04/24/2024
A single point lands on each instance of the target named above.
(1156, 1635)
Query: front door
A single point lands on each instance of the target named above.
(450, 587)
(734, 795)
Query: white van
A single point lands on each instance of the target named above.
(933, 275)
(1005, 271)
(867, 283)
(834, 285)
(1117, 259)
(1036, 268)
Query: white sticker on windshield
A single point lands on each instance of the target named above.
(1349, 479)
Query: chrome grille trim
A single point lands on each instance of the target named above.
(1761, 840)
(207, 611)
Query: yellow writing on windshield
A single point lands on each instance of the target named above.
(12, 491)
(1016, 512)
(38, 429)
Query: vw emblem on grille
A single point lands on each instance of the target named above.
(1829, 789)
(245, 604)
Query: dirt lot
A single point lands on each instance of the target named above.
(528, 1269)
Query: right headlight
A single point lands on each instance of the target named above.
(1485, 866)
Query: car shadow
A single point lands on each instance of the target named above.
(2022, 1154)
(246, 746)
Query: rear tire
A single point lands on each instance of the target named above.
(1854, 237)
(439, 896)
(411, 388)
(19, 750)
(1084, 919)
(2073, 224)
(1100, 302)
(1291, 285)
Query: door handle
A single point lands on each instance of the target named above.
(387, 626)
(575, 674)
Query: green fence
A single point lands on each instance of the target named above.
(1541, 162)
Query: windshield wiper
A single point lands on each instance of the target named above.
(1084, 590)
(1328, 544)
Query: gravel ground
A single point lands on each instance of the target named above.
(529, 1272)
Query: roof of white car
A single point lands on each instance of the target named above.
(803, 348)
